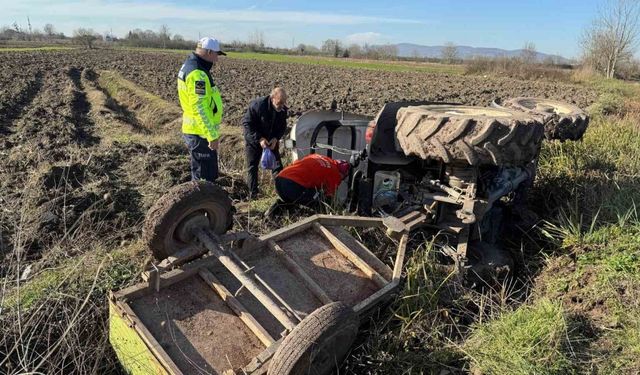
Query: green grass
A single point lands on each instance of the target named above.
(74, 276)
(594, 227)
(530, 340)
(27, 49)
(391, 66)
(601, 275)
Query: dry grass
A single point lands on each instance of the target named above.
(516, 68)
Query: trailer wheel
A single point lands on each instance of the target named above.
(318, 344)
(562, 121)
(470, 135)
(168, 224)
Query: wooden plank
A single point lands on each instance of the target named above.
(399, 263)
(349, 254)
(132, 352)
(376, 297)
(351, 221)
(290, 230)
(295, 268)
(148, 338)
(133, 292)
(177, 259)
(420, 219)
(188, 270)
(237, 307)
(366, 254)
(410, 216)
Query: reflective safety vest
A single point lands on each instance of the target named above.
(200, 99)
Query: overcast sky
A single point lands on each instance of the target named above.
(553, 26)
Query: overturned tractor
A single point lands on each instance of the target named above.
(466, 168)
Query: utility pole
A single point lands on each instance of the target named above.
(30, 32)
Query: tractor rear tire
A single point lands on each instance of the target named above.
(318, 344)
(196, 199)
(471, 135)
(562, 121)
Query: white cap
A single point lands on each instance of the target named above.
(211, 44)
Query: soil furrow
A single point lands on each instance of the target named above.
(15, 100)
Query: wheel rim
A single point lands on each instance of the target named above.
(212, 211)
(547, 106)
(469, 111)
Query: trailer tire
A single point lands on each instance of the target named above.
(562, 121)
(188, 200)
(318, 344)
(471, 135)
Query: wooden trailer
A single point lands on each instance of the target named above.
(289, 302)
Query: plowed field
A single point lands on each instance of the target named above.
(90, 139)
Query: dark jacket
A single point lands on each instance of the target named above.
(262, 121)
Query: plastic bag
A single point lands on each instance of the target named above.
(268, 159)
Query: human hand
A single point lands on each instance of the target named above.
(264, 143)
(213, 145)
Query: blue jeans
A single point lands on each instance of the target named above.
(204, 161)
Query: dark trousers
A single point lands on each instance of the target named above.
(204, 161)
(292, 192)
(253, 153)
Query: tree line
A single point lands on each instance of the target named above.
(608, 44)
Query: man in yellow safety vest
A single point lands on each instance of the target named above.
(201, 104)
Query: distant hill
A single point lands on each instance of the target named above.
(466, 52)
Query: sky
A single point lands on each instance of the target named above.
(554, 26)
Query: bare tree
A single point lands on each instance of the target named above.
(449, 53)
(612, 37)
(164, 35)
(529, 54)
(85, 37)
(388, 51)
(256, 39)
(49, 30)
(355, 50)
(332, 47)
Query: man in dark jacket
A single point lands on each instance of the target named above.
(264, 124)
